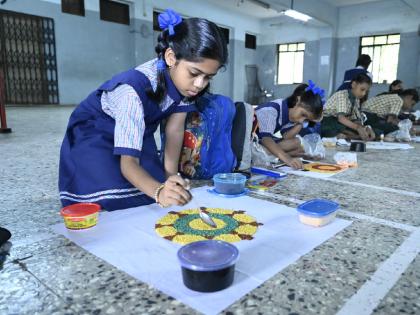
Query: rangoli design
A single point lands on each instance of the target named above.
(322, 168)
(186, 226)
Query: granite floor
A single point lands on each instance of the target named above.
(372, 266)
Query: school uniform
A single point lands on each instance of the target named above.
(116, 119)
(350, 75)
(377, 109)
(340, 103)
(273, 117)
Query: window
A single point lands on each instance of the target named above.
(290, 63)
(225, 32)
(156, 26)
(383, 50)
(113, 11)
(76, 7)
(250, 41)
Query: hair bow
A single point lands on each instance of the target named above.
(168, 20)
(316, 90)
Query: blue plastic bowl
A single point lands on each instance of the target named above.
(229, 183)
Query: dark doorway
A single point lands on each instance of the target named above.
(28, 61)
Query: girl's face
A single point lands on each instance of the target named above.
(359, 90)
(397, 87)
(408, 103)
(299, 114)
(190, 78)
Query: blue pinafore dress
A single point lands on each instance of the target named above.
(350, 75)
(89, 169)
(282, 118)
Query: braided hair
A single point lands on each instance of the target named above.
(193, 39)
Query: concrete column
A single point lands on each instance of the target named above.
(142, 31)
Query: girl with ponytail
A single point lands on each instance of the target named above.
(288, 117)
(109, 155)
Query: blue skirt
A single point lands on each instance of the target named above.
(89, 169)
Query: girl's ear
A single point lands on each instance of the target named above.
(297, 99)
(353, 84)
(170, 57)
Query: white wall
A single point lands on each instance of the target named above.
(232, 81)
(370, 18)
(90, 50)
(339, 42)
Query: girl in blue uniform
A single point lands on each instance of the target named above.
(362, 64)
(109, 155)
(291, 130)
(289, 116)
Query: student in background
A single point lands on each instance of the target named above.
(362, 65)
(396, 86)
(307, 127)
(342, 116)
(382, 111)
(294, 111)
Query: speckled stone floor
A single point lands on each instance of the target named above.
(373, 266)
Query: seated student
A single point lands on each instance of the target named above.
(308, 127)
(362, 64)
(109, 155)
(396, 86)
(382, 111)
(342, 116)
(274, 116)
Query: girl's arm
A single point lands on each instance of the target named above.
(175, 189)
(356, 127)
(269, 143)
(348, 123)
(290, 134)
(174, 133)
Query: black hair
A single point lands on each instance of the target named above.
(394, 83)
(292, 99)
(194, 40)
(312, 103)
(364, 61)
(362, 78)
(308, 100)
(410, 92)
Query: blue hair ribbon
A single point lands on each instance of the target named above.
(316, 90)
(161, 65)
(168, 20)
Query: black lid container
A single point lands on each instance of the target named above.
(208, 266)
(358, 146)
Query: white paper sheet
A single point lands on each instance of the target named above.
(127, 240)
(290, 170)
(388, 146)
(376, 145)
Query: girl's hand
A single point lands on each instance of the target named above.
(295, 163)
(370, 133)
(189, 170)
(175, 192)
(362, 133)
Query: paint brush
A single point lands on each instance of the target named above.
(203, 215)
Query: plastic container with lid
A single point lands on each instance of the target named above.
(208, 266)
(80, 216)
(229, 183)
(317, 212)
